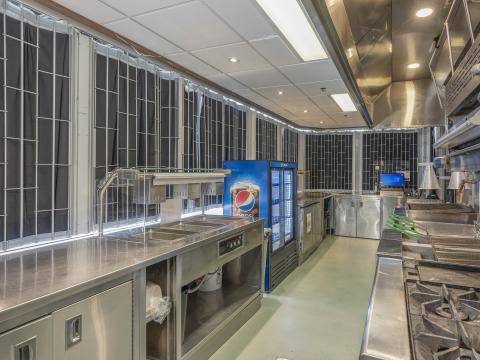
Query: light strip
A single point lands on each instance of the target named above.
(291, 20)
(344, 101)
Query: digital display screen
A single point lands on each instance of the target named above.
(392, 180)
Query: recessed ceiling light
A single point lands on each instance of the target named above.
(280, 92)
(413, 66)
(291, 20)
(424, 12)
(321, 122)
(344, 101)
(233, 60)
(305, 111)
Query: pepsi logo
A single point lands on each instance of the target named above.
(244, 200)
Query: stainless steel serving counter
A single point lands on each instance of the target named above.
(386, 329)
(35, 278)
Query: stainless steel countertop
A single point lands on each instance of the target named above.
(386, 329)
(53, 272)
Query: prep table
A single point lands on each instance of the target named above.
(46, 288)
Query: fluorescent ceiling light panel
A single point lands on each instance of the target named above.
(291, 20)
(344, 101)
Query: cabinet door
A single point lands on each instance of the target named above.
(345, 216)
(308, 230)
(31, 341)
(368, 218)
(99, 327)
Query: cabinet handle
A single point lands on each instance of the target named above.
(26, 350)
(361, 203)
(73, 331)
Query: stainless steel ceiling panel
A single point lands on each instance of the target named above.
(407, 104)
(413, 37)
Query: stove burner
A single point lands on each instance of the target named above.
(456, 353)
(445, 322)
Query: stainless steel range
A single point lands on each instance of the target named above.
(444, 321)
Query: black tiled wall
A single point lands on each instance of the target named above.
(329, 161)
(398, 151)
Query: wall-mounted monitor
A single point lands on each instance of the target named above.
(392, 180)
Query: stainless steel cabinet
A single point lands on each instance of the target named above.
(358, 216)
(345, 216)
(99, 327)
(32, 341)
(368, 218)
(306, 215)
(389, 203)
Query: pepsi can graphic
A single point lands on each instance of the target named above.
(245, 199)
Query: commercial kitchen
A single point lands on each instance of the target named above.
(239, 179)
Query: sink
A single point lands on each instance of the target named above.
(192, 226)
(158, 235)
(459, 256)
(440, 207)
(455, 241)
(441, 216)
(447, 229)
(417, 251)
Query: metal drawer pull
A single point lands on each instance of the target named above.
(73, 331)
(26, 350)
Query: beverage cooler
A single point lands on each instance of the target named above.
(266, 189)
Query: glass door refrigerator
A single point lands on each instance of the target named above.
(266, 189)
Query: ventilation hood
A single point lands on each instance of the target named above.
(373, 42)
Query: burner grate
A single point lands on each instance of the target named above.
(445, 322)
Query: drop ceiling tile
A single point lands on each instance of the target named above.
(131, 8)
(329, 109)
(191, 26)
(261, 78)
(192, 63)
(330, 86)
(244, 16)
(248, 58)
(227, 82)
(309, 72)
(275, 50)
(289, 91)
(313, 112)
(325, 101)
(92, 9)
(344, 117)
(135, 32)
(248, 94)
(297, 103)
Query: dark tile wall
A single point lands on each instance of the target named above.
(392, 151)
(266, 142)
(328, 159)
(290, 146)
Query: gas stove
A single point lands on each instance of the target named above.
(444, 321)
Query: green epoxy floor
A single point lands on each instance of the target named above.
(317, 313)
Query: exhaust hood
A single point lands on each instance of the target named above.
(374, 42)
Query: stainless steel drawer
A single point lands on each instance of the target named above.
(99, 327)
(27, 342)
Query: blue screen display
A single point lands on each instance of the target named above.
(391, 180)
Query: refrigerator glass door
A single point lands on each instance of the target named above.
(288, 204)
(277, 231)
